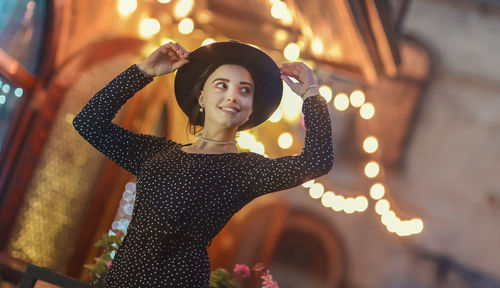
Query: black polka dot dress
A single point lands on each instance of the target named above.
(184, 199)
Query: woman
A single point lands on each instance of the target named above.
(187, 193)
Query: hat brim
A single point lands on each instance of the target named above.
(264, 71)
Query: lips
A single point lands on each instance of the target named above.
(229, 109)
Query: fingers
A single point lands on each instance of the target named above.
(183, 52)
(290, 69)
(179, 64)
(287, 80)
(286, 71)
(174, 50)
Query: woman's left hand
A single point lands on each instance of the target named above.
(299, 71)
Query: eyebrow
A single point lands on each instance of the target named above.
(227, 80)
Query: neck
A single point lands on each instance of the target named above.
(221, 136)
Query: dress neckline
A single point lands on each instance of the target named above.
(204, 154)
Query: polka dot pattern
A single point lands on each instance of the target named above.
(184, 199)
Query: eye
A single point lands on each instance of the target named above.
(217, 85)
(248, 90)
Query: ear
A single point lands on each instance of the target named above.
(201, 98)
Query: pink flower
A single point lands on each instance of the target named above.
(108, 264)
(242, 269)
(118, 233)
(268, 280)
(258, 266)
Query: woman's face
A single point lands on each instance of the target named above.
(229, 86)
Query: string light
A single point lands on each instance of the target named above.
(149, 27)
(367, 111)
(308, 183)
(279, 10)
(288, 110)
(372, 169)
(290, 104)
(316, 190)
(245, 140)
(182, 8)
(126, 7)
(285, 140)
(186, 26)
(257, 147)
(317, 46)
(291, 51)
(280, 35)
(357, 98)
(327, 199)
(326, 92)
(338, 203)
(370, 144)
(341, 102)
(207, 41)
(377, 191)
(382, 206)
(276, 117)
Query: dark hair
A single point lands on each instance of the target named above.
(196, 118)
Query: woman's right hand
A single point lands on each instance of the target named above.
(166, 59)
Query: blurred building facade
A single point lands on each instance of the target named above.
(418, 209)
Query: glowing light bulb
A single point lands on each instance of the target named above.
(280, 35)
(308, 183)
(290, 104)
(361, 203)
(372, 169)
(418, 225)
(349, 205)
(382, 206)
(279, 10)
(367, 111)
(207, 41)
(182, 8)
(370, 144)
(291, 51)
(327, 199)
(388, 218)
(357, 98)
(149, 27)
(186, 26)
(245, 140)
(338, 203)
(341, 102)
(317, 46)
(276, 116)
(287, 18)
(316, 190)
(326, 92)
(377, 191)
(127, 7)
(285, 140)
(257, 147)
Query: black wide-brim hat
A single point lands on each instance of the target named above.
(264, 71)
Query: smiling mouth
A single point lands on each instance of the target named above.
(231, 112)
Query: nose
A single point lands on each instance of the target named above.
(232, 95)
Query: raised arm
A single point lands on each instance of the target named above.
(126, 148)
(270, 175)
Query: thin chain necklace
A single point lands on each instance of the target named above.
(214, 141)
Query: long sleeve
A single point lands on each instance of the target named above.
(126, 148)
(270, 175)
